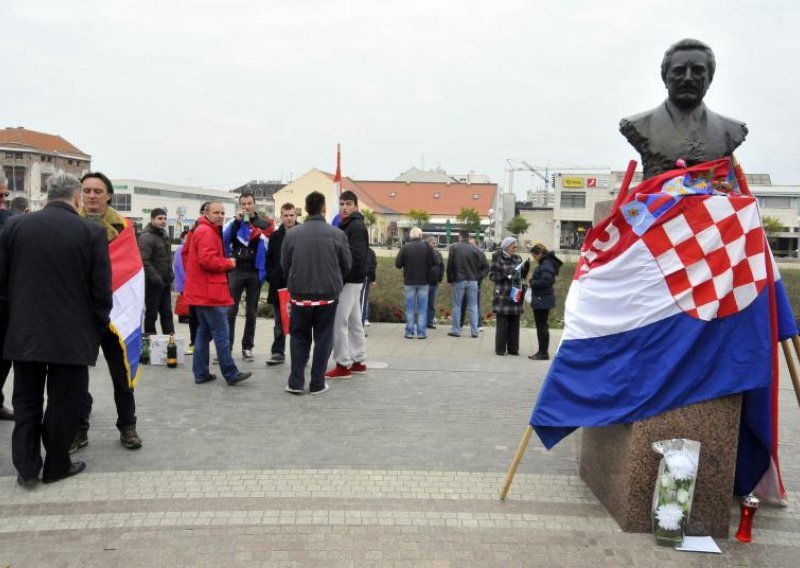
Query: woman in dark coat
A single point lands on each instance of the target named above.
(507, 271)
(543, 297)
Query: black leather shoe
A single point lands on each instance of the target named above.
(239, 378)
(539, 357)
(74, 469)
(6, 414)
(208, 379)
(27, 483)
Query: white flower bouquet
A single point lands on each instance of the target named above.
(674, 492)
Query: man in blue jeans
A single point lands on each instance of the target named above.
(207, 290)
(417, 260)
(466, 264)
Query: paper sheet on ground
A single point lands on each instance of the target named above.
(699, 544)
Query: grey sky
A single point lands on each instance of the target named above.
(217, 93)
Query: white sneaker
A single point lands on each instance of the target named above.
(366, 323)
(294, 391)
(247, 355)
(321, 390)
(480, 328)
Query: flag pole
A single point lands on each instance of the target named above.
(512, 470)
(790, 363)
(626, 183)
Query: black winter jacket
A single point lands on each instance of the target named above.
(543, 297)
(156, 256)
(55, 286)
(466, 262)
(358, 239)
(416, 258)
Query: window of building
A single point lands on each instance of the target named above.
(16, 178)
(121, 201)
(17, 155)
(775, 202)
(476, 196)
(437, 195)
(573, 200)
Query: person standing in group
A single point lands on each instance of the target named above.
(156, 254)
(543, 296)
(435, 277)
(193, 323)
(314, 256)
(466, 265)
(207, 290)
(369, 281)
(277, 280)
(181, 307)
(474, 242)
(18, 205)
(508, 272)
(55, 296)
(97, 193)
(416, 258)
(349, 344)
(246, 239)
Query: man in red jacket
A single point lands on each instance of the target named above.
(207, 290)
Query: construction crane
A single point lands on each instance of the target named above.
(511, 168)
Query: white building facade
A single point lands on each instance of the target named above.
(135, 199)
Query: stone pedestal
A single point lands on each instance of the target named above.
(619, 465)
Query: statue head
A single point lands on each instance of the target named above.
(687, 71)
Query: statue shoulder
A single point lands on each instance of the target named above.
(735, 130)
(641, 121)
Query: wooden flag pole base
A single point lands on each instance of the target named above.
(515, 462)
(790, 363)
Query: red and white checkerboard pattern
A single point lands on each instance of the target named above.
(712, 255)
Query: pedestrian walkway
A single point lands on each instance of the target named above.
(398, 467)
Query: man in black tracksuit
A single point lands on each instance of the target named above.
(250, 271)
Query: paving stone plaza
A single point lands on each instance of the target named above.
(398, 467)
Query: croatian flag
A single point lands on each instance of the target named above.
(333, 208)
(127, 284)
(676, 300)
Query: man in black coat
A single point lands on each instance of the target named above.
(55, 289)
(5, 364)
(156, 254)
(417, 260)
(349, 344)
(277, 280)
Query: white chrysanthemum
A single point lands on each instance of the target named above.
(669, 516)
(666, 481)
(682, 465)
(682, 496)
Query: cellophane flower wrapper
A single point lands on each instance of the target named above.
(674, 489)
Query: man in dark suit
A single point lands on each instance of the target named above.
(682, 127)
(55, 291)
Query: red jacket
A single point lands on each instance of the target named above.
(207, 268)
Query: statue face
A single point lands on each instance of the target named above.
(688, 77)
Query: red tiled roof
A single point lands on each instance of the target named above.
(30, 139)
(435, 198)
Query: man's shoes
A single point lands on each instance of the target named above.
(500, 354)
(130, 439)
(27, 483)
(247, 355)
(190, 349)
(339, 372)
(422, 337)
(6, 414)
(539, 357)
(409, 336)
(320, 391)
(358, 369)
(451, 334)
(515, 353)
(208, 379)
(81, 441)
(429, 326)
(276, 359)
(475, 336)
(480, 328)
(74, 469)
(239, 378)
(366, 323)
(290, 390)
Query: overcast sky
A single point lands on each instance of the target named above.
(216, 93)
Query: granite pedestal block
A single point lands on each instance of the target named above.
(620, 466)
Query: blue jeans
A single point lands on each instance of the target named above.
(416, 297)
(212, 323)
(471, 289)
(432, 288)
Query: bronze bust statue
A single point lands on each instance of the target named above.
(682, 126)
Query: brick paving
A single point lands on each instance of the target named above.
(399, 467)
